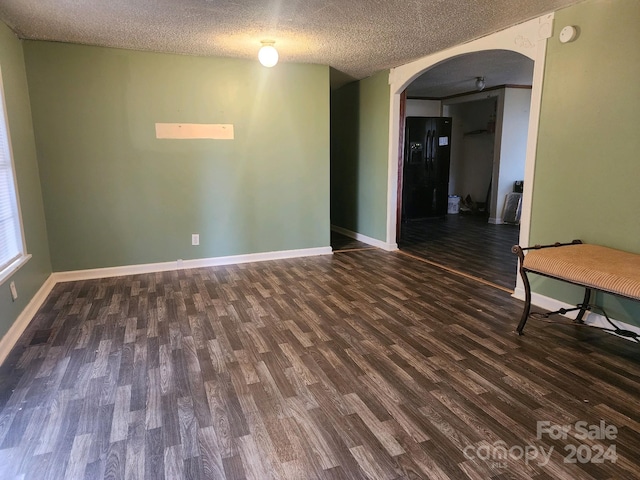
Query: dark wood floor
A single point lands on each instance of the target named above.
(363, 364)
(466, 243)
(340, 242)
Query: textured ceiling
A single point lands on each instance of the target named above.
(355, 37)
(458, 75)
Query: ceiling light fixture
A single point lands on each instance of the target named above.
(480, 83)
(268, 55)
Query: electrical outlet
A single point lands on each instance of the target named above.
(195, 239)
(14, 292)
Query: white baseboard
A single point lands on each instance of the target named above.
(72, 276)
(496, 220)
(389, 247)
(591, 318)
(10, 338)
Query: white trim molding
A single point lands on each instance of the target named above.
(13, 267)
(75, 275)
(591, 318)
(9, 340)
(389, 247)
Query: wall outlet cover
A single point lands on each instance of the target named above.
(195, 239)
(14, 291)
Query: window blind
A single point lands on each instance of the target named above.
(10, 231)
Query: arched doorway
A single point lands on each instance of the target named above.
(482, 159)
(529, 39)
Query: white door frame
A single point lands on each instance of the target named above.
(528, 39)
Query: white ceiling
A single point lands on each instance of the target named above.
(355, 37)
(458, 75)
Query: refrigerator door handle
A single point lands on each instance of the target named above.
(427, 152)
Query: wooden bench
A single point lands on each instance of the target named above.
(590, 266)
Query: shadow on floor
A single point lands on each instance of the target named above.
(340, 242)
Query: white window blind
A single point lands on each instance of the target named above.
(11, 245)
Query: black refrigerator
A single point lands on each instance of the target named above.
(425, 173)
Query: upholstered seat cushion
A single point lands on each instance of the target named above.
(594, 266)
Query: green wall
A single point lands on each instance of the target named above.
(359, 156)
(30, 277)
(587, 165)
(115, 195)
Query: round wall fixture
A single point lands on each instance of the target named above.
(568, 34)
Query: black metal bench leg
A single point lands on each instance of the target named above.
(527, 302)
(527, 289)
(584, 306)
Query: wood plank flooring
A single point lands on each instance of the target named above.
(360, 365)
(340, 243)
(466, 243)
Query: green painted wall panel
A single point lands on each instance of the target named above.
(359, 156)
(587, 166)
(33, 274)
(345, 128)
(115, 195)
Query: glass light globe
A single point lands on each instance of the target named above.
(268, 56)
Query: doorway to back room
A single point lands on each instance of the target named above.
(463, 164)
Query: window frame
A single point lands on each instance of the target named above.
(8, 270)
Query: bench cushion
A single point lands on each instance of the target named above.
(594, 266)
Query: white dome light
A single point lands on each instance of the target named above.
(268, 55)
